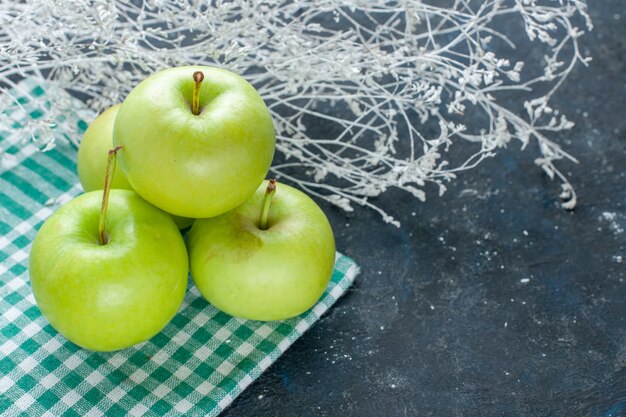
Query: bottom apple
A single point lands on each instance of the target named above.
(264, 262)
(111, 295)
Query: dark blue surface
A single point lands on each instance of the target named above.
(441, 321)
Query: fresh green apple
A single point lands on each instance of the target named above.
(188, 134)
(264, 263)
(92, 158)
(110, 294)
(92, 153)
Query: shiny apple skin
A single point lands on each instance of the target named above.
(112, 296)
(271, 274)
(194, 165)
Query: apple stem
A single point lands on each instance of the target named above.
(103, 239)
(198, 76)
(267, 201)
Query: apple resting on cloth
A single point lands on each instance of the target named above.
(92, 158)
(189, 134)
(108, 295)
(260, 262)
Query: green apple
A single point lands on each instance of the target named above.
(92, 153)
(92, 158)
(112, 294)
(260, 263)
(188, 134)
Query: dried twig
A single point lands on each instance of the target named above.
(398, 83)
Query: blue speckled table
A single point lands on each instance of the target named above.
(491, 300)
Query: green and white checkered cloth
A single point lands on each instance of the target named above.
(196, 366)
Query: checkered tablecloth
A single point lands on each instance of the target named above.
(196, 366)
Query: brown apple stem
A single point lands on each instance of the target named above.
(267, 201)
(198, 76)
(103, 239)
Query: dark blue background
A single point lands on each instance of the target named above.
(440, 323)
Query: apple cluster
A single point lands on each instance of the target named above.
(109, 269)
